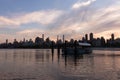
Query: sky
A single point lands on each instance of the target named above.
(74, 18)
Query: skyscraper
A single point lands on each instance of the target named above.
(91, 36)
(102, 41)
(43, 37)
(24, 40)
(83, 39)
(57, 38)
(112, 37)
(63, 38)
(86, 37)
(6, 41)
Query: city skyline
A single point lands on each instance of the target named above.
(85, 38)
(46, 42)
(23, 19)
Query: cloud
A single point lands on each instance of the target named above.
(41, 17)
(82, 21)
(82, 4)
(30, 31)
(6, 22)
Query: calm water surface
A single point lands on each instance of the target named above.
(37, 64)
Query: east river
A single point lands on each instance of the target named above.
(41, 64)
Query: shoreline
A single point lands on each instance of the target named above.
(95, 48)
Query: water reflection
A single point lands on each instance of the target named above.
(39, 55)
(37, 64)
(74, 59)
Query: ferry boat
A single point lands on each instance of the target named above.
(80, 48)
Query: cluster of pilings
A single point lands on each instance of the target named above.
(64, 47)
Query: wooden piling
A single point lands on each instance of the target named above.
(75, 47)
(65, 48)
(52, 47)
(58, 48)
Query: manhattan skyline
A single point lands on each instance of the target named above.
(27, 19)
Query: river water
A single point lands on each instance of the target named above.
(41, 64)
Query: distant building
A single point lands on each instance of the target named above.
(112, 37)
(48, 40)
(91, 36)
(6, 41)
(24, 40)
(117, 40)
(102, 41)
(15, 41)
(59, 41)
(43, 37)
(63, 38)
(96, 42)
(39, 40)
(71, 41)
(30, 41)
(57, 38)
(86, 37)
(83, 39)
